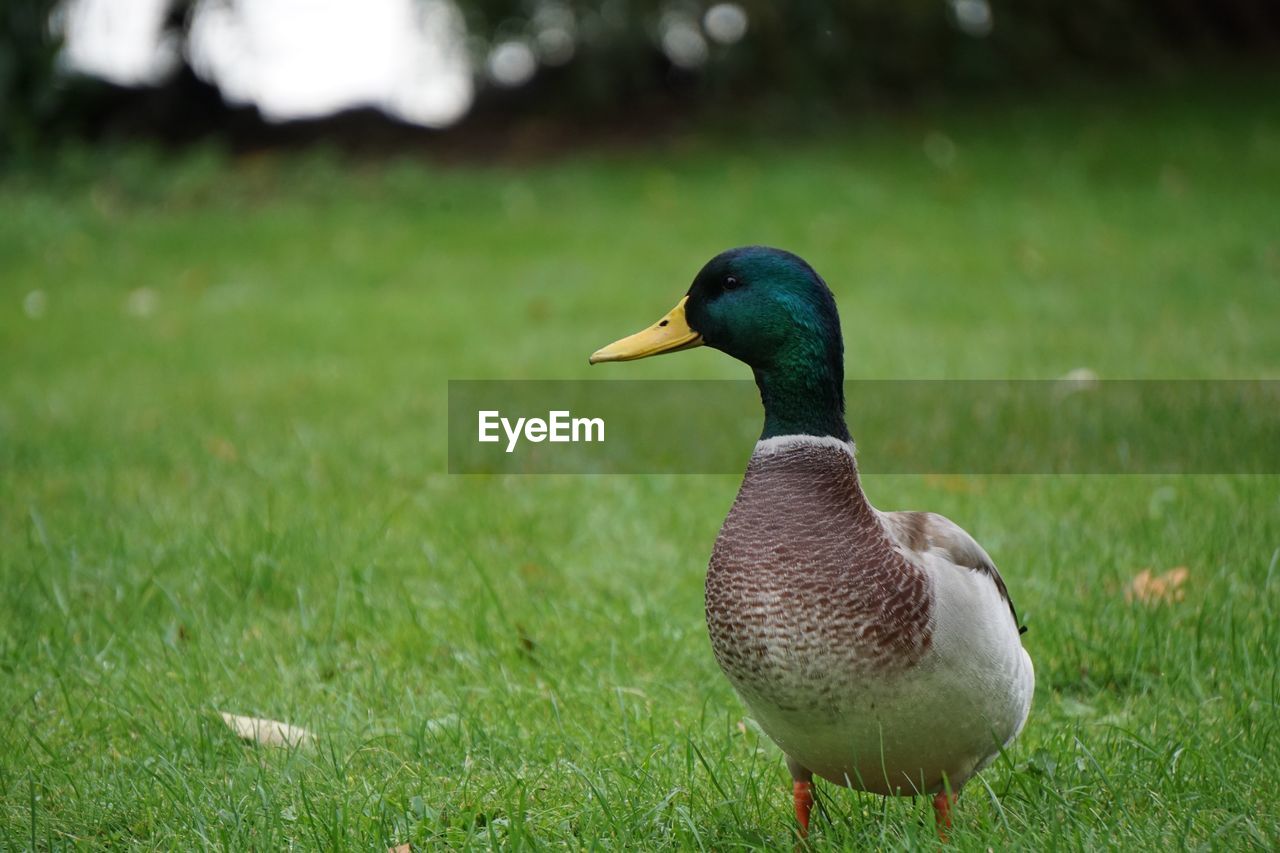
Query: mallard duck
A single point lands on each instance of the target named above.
(879, 650)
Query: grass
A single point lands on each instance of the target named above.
(221, 487)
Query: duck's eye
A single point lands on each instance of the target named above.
(730, 282)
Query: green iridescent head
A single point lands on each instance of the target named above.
(767, 308)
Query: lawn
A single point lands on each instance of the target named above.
(221, 482)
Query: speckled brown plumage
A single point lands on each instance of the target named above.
(806, 594)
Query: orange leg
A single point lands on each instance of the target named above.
(803, 794)
(942, 803)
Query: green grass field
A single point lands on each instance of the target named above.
(221, 489)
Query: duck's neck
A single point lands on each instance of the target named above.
(803, 393)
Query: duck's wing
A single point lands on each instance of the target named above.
(925, 532)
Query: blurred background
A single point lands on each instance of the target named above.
(245, 244)
(220, 215)
(386, 71)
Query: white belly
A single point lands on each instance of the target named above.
(932, 725)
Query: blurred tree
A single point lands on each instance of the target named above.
(594, 55)
(823, 49)
(30, 89)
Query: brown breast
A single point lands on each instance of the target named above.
(805, 594)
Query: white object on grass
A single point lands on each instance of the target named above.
(267, 732)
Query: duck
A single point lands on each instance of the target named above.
(879, 650)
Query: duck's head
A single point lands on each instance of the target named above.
(770, 309)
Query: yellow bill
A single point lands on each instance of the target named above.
(669, 334)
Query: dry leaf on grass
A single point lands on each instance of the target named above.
(1081, 377)
(1151, 588)
(1075, 381)
(400, 848)
(267, 732)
